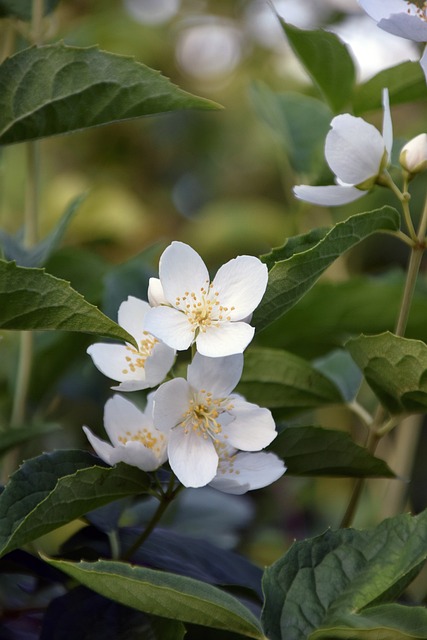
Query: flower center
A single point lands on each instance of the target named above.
(419, 7)
(203, 308)
(136, 358)
(145, 437)
(202, 416)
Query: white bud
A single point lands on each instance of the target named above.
(413, 156)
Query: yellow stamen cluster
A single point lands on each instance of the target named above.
(145, 437)
(202, 416)
(136, 359)
(420, 8)
(203, 308)
(226, 465)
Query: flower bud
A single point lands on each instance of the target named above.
(413, 156)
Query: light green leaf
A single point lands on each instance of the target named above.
(13, 437)
(37, 256)
(23, 9)
(164, 594)
(299, 122)
(291, 277)
(395, 368)
(31, 299)
(386, 622)
(405, 83)
(278, 379)
(327, 60)
(55, 89)
(341, 572)
(314, 451)
(55, 488)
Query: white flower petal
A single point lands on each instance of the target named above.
(159, 363)
(170, 326)
(137, 455)
(171, 401)
(387, 124)
(378, 9)
(110, 359)
(328, 196)
(247, 471)
(423, 62)
(218, 376)
(102, 449)
(181, 269)
(224, 339)
(406, 26)
(155, 293)
(253, 427)
(193, 459)
(131, 316)
(354, 149)
(121, 417)
(241, 284)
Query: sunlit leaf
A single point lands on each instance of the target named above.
(55, 488)
(55, 89)
(33, 299)
(291, 277)
(341, 572)
(164, 594)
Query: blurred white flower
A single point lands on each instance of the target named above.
(239, 472)
(357, 153)
(134, 369)
(203, 420)
(413, 156)
(189, 307)
(134, 439)
(402, 18)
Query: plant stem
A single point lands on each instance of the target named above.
(164, 501)
(37, 21)
(32, 194)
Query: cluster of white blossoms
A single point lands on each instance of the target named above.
(209, 435)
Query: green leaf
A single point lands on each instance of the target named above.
(291, 277)
(164, 594)
(37, 256)
(13, 437)
(395, 368)
(55, 89)
(339, 367)
(55, 488)
(23, 9)
(314, 451)
(327, 60)
(299, 122)
(31, 299)
(389, 621)
(278, 379)
(341, 572)
(405, 83)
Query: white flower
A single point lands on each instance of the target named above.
(401, 18)
(203, 420)
(239, 472)
(134, 439)
(357, 153)
(134, 369)
(413, 156)
(189, 307)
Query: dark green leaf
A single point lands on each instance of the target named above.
(164, 594)
(395, 368)
(13, 437)
(293, 276)
(327, 60)
(278, 379)
(55, 89)
(405, 83)
(339, 367)
(14, 248)
(341, 572)
(23, 9)
(386, 622)
(313, 451)
(55, 488)
(31, 299)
